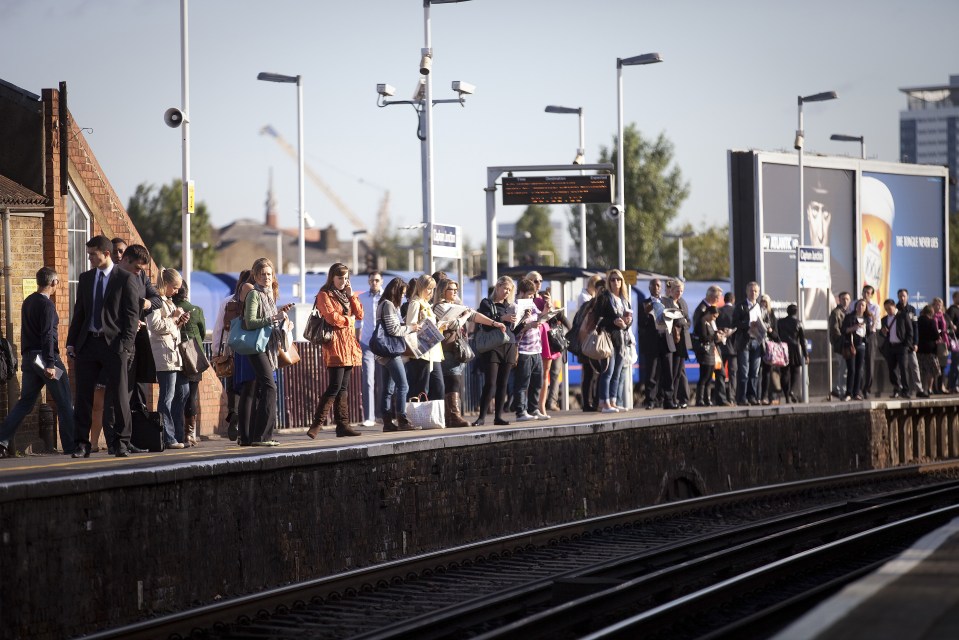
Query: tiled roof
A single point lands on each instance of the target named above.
(13, 194)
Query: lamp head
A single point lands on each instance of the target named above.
(555, 109)
(277, 77)
(819, 97)
(646, 58)
(845, 138)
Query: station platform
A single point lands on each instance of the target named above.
(161, 532)
(914, 597)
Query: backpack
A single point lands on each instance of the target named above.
(583, 323)
(9, 362)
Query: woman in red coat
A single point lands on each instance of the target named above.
(341, 308)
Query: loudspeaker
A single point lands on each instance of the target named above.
(173, 117)
(613, 212)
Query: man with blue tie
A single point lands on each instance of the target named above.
(106, 316)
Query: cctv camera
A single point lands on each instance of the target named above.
(386, 90)
(461, 87)
(614, 211)
(173, 117)
(426, 62)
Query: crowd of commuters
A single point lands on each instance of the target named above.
(126, 333)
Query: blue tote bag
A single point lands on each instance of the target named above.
(247, 342)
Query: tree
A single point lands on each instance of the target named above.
(653, 192)
(156, 215)
(706, 254)
(535, 221)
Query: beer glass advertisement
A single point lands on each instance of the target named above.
(829, 221)
(903, 236)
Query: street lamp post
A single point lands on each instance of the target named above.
(846, 138)
(646, 58)
(799, 144)
(298, 80)
(580, 159)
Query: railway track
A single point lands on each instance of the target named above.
(585, 577)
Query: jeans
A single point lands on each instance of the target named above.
(749, 360)
(397, 389)
(59, 390)
(372, 385)
(608, 389)
(167, 406)
(528, 379)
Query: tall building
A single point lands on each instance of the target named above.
(928, 130)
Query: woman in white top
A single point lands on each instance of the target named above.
(163, 326)
(425, 373)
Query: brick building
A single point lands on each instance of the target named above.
(54, 197)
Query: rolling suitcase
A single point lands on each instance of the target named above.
(147, 430)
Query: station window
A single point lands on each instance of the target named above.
(78, 234)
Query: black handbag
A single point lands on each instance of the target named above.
(317, 330)
(557, 339)
(484, 340)
(462, 349)
(384, 345)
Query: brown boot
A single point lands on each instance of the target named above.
(403, 424)
(320, 416)
(341, 416)
(453, 417)
(388, 424)
(190, 423)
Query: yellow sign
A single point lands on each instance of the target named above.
(29, 286)
(190, 197)
(630, 276)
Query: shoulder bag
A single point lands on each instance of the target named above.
(598, 345)
(194, 359)
(317, 330)
(462, 349)
(247, 342)
(384, 345)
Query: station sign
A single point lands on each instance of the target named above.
(814, 267)
(447, 241)
(558, 190)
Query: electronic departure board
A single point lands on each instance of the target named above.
(558, 190)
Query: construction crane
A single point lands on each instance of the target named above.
(325, 188)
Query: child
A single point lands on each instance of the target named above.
(528, 377)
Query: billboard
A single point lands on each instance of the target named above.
(883, 223)
(903, 241)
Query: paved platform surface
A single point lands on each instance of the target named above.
(914, 597)
(46, 466)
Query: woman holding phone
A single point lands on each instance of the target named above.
(260, 310)
(341, 308)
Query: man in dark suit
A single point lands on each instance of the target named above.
(106, 316)
(680, 337)
(41, 363)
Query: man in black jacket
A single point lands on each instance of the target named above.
(141, 371)
(41, 364)
(909, 363)
(752, 325)
(106, 316)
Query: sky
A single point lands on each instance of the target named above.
(729, 79)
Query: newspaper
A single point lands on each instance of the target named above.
(424, 339)
(453, 316)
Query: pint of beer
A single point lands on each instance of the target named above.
(877, 211)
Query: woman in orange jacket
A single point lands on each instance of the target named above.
(341, 308)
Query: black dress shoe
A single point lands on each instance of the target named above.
(83, 450)
(122, 453)
(479, 422)
(670, 405)
(135, 449)
(500, 422)
(3, 452)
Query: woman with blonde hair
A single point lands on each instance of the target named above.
(425, 373)
(163, 326)
(341, 308)
(497, 362)
(259, 310)
(613, 315)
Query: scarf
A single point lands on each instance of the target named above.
(342, 298)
